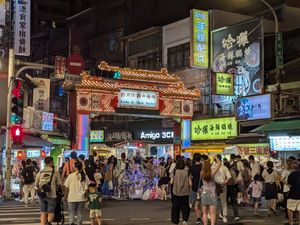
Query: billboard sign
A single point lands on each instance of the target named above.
(254, 107)
(213, 129)
(237, 50)
(224, 84)
(155, 134)
(97, 136)
(199, 42)
(253, 149)
(47, 121)
(285, 143)
(129, 98)
(22, 28)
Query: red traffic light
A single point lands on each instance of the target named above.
(17, 134)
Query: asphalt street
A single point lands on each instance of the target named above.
(130, 213)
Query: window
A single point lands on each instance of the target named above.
(179, 56)
(149, 61)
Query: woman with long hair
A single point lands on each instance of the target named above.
(208, 195)
(270, 177)
(76, 186)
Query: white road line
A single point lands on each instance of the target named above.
(137, 219)
(20, 213)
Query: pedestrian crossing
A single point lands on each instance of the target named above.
(15, 213)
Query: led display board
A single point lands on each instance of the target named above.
(285, 143)
(97, 136)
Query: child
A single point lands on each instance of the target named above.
(94, 200)
(98, 178)
(257, 187)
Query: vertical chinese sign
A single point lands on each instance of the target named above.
(237, 50)
(60, 67)
(22, 28)
(199, 38)
(41, 95)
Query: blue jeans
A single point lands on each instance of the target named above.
(75, 208)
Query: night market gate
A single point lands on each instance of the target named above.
(128, 91)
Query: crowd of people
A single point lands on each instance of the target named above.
(202, 183)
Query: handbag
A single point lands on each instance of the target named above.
(219, 189)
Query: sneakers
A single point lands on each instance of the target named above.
(237, 218)
(198, 221)
(184, 223)
(225, 219)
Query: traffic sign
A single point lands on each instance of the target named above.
(75, 64)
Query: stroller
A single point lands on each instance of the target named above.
(59, 217)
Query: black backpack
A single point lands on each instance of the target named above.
(28, 175)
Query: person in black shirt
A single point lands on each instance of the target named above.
(194, 197)
(293, 202)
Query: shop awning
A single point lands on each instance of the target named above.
(57, 140)
(288, 126)
(28, 141)
(210, 148)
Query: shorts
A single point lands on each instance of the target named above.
(255, 200)
(94, 213)
(47, 205)
(293, 204)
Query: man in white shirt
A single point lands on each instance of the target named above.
(254, 166)
(222, 177)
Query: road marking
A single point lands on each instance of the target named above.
(252, 221)
(21, 213)
(138, 219)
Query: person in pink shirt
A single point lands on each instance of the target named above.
(256, 188)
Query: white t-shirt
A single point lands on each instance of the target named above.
(222, 175)
(76, 188)
(285, 174)
(255, 169)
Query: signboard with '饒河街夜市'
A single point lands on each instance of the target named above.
(213, 129)
(199, 42)
(129, 98)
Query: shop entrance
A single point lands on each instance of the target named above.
(124, 99)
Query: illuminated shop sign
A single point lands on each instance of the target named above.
(33, 153)
(97, 136)
(224, 84)
(118, 136)
(254, 107)
(199, 42)
(253, 149)
(285, 143)
(138, 99)
(155, 134)
(214, 129)
(47, 121)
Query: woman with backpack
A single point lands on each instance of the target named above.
(181, 184)
(208, 195)
(270, 177)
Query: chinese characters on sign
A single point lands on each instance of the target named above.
(212, 129)
(22, 28)
(41, 94)
(285, 143)
(33, 153)
(138, 99)
(237, 50)
(199, 35)
(254, 107)
(97, 136)
(60, 67)
(224, 84)
(47, 121)
(253, 149)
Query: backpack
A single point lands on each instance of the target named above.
(28, 175)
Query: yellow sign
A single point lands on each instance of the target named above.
(224, 84)
(200, 27)
(214, 129)
(253, 149)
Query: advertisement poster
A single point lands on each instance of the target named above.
(254, 107)
(41, 94)
(285, 143)
(213, 129)
(22, 28)
(253, 149)
(224, 84)
(138, 99)
(97, 136)
(199, 42)
(237, 50)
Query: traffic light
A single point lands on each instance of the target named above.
(109, 74)
(17, 103)
(17, 134)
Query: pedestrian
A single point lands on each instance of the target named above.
(240, 169)
(69, 165)
(208, 195)
(181, 182)
(256, 188)
(255, 166)
(293, 202)
(163, 181)
(76, 186)
(94, 204)
(18, 174)
(46, 183)
(247, 177)
(284, 179)
(195, 172)
(28, 175)
(270, 177)
(221, 178)
(232, 191)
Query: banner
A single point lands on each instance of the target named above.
(254, 107)
(214, 129)
(199, 42)
(253, 149)
(41, 94)
(237, 50)
(22, 28)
